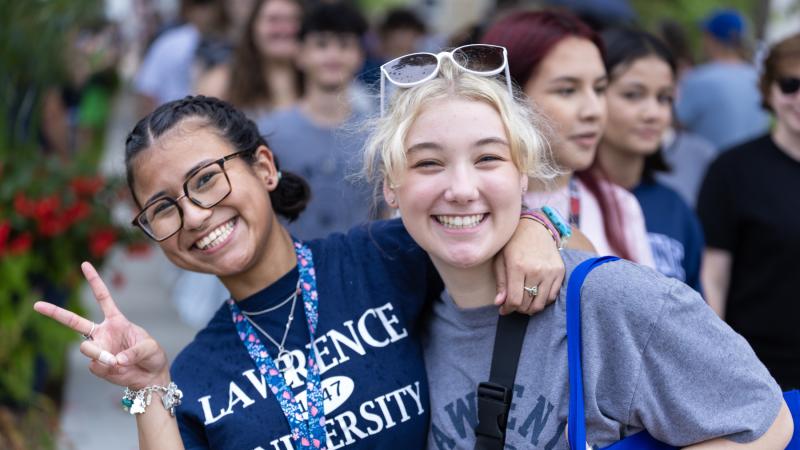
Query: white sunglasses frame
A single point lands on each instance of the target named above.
(385, 75)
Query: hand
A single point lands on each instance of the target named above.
(530, 258)
(121, 352)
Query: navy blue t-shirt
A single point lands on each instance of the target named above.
(373, 284)
(674, 231)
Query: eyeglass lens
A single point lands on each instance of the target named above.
(789, 85)
(411, 68)
(206, 188)
(479, 58)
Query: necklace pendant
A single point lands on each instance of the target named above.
(285, 361)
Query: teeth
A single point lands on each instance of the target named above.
(460, 221)
(216, 236)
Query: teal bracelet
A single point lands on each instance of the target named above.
(555, 218)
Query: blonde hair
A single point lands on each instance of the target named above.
(385, 153)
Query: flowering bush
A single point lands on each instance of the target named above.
(52, 216)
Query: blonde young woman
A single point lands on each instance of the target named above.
(454, 154)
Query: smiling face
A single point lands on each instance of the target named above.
(276, 27)
(639, 106)
(568, 87)
(459, 196)
(229, 239)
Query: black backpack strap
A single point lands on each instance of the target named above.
(494, 396)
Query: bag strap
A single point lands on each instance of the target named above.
(494, 396)
(577, 419)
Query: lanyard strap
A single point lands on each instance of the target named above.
(576, 433)
(574, 203)
(305, 421)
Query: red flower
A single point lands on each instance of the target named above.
(51, 226)
(22, 205)
(21, 243)
(87, 186)
(101, 241)
(5, 231)
(46, 208)
(76, 212)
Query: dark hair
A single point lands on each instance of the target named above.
(247, 86)
(624, 46)
(530, 35)
(336, 17)
(401, 19)
(289, 199)
(786, 49)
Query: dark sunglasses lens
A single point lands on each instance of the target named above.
(789, 85)
(479, 58)
(411, 68)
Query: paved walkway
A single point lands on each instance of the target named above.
(92, 417)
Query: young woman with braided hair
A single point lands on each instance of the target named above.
(317, 346)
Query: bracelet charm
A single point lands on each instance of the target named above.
(135, 402)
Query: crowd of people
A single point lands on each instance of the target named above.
(446, 176)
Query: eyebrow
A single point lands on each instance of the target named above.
(434, 146)
(185, 176)
(570, 79)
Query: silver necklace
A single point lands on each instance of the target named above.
(291, 297)
(283, 354)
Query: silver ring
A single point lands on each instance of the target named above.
(88, 336)
(533, 291)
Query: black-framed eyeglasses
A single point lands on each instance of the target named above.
(789, 85)
(205, 186)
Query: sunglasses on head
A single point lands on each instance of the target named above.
(789, 85)
(416, 68)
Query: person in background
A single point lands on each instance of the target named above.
(640, 94)
(557, 60)
(686, 153)
(750, 212)
(169, 69)
(318, 138)
(400, 32)
(262, 76)
(719, 100)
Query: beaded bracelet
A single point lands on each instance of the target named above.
(135, 402)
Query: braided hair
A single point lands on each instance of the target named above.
(291, 196)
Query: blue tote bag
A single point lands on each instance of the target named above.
(576, 433)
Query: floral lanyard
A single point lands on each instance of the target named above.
(306, 433)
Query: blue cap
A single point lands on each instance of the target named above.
(726, 25)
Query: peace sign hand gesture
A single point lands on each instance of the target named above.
(121, 352)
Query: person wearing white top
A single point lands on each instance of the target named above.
(560, 68)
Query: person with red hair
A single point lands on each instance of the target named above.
(557, 60)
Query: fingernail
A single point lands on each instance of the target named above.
(122, 359)
(107, 358)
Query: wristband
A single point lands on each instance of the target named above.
(538, 217)
(135, 402)
(563, 227)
